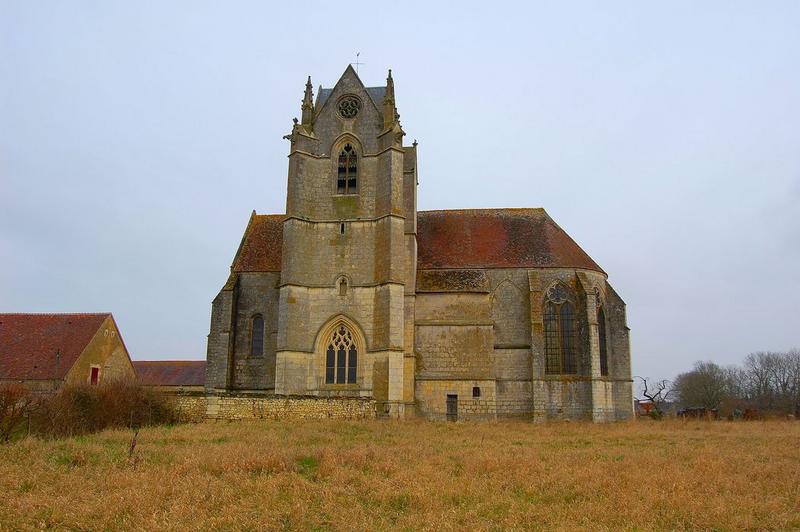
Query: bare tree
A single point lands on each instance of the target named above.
(760, 391)
(657, 392)
(793, 363)
(736, 382)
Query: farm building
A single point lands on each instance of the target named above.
(46, 351)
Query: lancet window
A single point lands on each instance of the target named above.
(347, 179)
(560, 338)
(601, 329)
(257, 336)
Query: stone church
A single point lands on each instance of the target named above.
(452, 314)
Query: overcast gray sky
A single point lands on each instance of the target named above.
(136, 138)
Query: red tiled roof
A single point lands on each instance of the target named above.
(495, 238)
(260, 250)
(457, 239)
(171, 372)
(44, 346)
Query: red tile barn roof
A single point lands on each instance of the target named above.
(171, 372)
(469, 238)
(44, 346)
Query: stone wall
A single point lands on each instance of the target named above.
(194, 407)
(484, 327)
(43, 387)
(106, 352)
(276, 407)
(191, 407)
(219, 337)
(562, 398)
(432, 398)
(514, 398)
(257, 294)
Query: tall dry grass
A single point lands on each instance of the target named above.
(409, 475)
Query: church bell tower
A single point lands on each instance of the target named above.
(348, 263)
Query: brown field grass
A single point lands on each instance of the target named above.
(409, 475)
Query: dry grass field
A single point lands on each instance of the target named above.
(410, 475)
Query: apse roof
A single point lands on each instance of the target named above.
(496, 238)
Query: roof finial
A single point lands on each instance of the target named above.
(308, 103)
(389, 109)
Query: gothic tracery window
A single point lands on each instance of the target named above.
(341, 357)
(347, 178)
(560, 339)
(601, 330)
(349, 106)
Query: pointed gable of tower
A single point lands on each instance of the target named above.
(349, 107)
(351, 77)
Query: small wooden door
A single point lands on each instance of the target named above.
(94, 376)
(452, 407)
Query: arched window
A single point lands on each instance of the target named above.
(347, 182)
(560, 343)
(567, 327)
(257, 336)
(601, 330)
(341, 357)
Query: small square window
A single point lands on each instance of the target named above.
(476, 391)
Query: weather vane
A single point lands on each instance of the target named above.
(357, 63)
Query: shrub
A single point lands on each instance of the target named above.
(80, 409)
(16, 405)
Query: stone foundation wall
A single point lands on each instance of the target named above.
(432, 399)
(514, 399)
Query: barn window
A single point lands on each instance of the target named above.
(346, 182)
(476, 391)
(94, 375)
(560, 340)
(257, 336)
(601, 329)
(341, 357)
